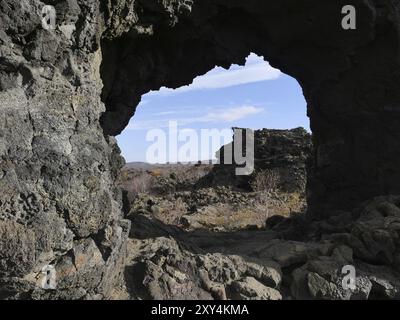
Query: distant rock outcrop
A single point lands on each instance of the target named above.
(280, 162)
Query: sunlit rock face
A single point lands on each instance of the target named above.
(65, 93)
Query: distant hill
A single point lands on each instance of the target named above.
(138, 165)
(147, 166)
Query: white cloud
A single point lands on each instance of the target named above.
(225, 115)
(233, 114)
(255, 70)
(166, 113)
(147, 124)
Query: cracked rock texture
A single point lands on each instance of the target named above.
(65, 93)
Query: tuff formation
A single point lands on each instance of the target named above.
(65, 93)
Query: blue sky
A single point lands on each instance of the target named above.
(252, 96)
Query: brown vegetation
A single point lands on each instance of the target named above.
(173, 195)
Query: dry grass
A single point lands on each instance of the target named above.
(152, 181)
(227, 218)
(136, 182)
(193, 173)
(155, 173)
(266, 180)
(142, 184)
(171, 213)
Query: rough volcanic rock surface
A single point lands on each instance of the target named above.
(57, 203)
(169, 263)
(163, 268)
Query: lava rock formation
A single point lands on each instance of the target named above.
(65, 94)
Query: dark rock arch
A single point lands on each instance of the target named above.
(59, 160)
(348, 78)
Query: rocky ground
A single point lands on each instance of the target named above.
(288, 259)
(184, 203)
(190, 240)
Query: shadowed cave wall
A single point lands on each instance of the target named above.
(65, 93)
